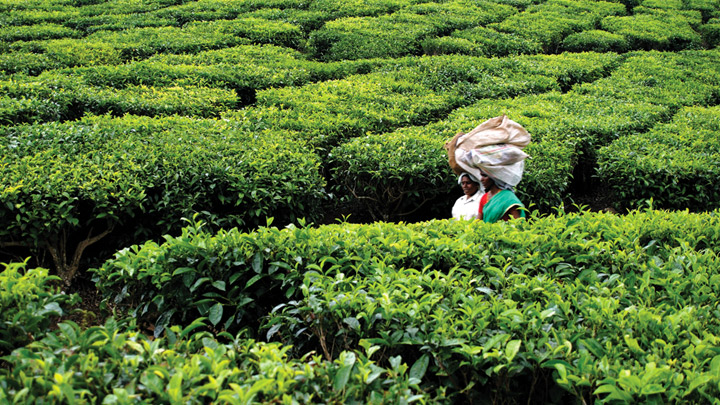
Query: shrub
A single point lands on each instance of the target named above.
(328, 112)
(393, 175)
(61, 97)
(673, 164)
(68, 186)
(480, 310)
(550, 22)
(36, 32)
(481, 41)
(711, 32)
(667, 79)
(354, 8)
(70, 52)
(595, 41)
(370, 37)
(29, 304)
(193, 367)
(665, 32)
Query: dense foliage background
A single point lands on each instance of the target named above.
(147, 148)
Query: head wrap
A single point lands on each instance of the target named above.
(469, 175)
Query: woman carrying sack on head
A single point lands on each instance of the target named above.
(492, 152)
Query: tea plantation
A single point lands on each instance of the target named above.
(247, 201)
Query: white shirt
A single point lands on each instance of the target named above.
(467, 207)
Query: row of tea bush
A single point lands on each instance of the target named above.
(332, 31)
(570, 307)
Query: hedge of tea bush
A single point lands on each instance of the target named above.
(669, 79)
(394, 175)
(551, 21)
(482, 41)
(674, 164)
(587, 306)
(66, 186)
(59, 97)
(29, 304)
(400, 33)
(116, 363)
(660, 30)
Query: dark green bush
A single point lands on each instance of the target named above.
(387, 36)
(354, 8)
(326, 113)
(711, 32)
(29, 305)
(672, 80)
(480, 310)
(67, 186)
(394, 175)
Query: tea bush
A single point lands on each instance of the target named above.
(340, 9)
(550, 22)
(66, 186)
(114, 363)
(118, 22)
(185, 12)
(62, 98)
(567, 301)
(711, 32)
(595, 41)
(481, 41)
(672, 80)
(394, 175)
(328, 112)
(400, 33)
(673, 164)
(667, 31)
(35, 32)
(29, 304)
(59, 53)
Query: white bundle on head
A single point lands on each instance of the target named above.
(494, 147)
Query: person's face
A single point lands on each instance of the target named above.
(468, 186)
(486, 181)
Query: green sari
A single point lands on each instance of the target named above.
(500, 204)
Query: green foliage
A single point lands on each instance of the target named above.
(393, 175)
(64, 181)
(35, 32)
(584, 303)
(370, 37)
(481, 41)
(665, 31)
(711, 32)
(672, 80)
(674, 164)
(328, 112)
(28, 305)
(595, 41)
(52, 96)
(400, 33)
(114, 363)
(358, 8)
(549, 22)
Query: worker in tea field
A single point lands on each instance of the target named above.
(492, 153)
(499, 200)
(467, 206)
